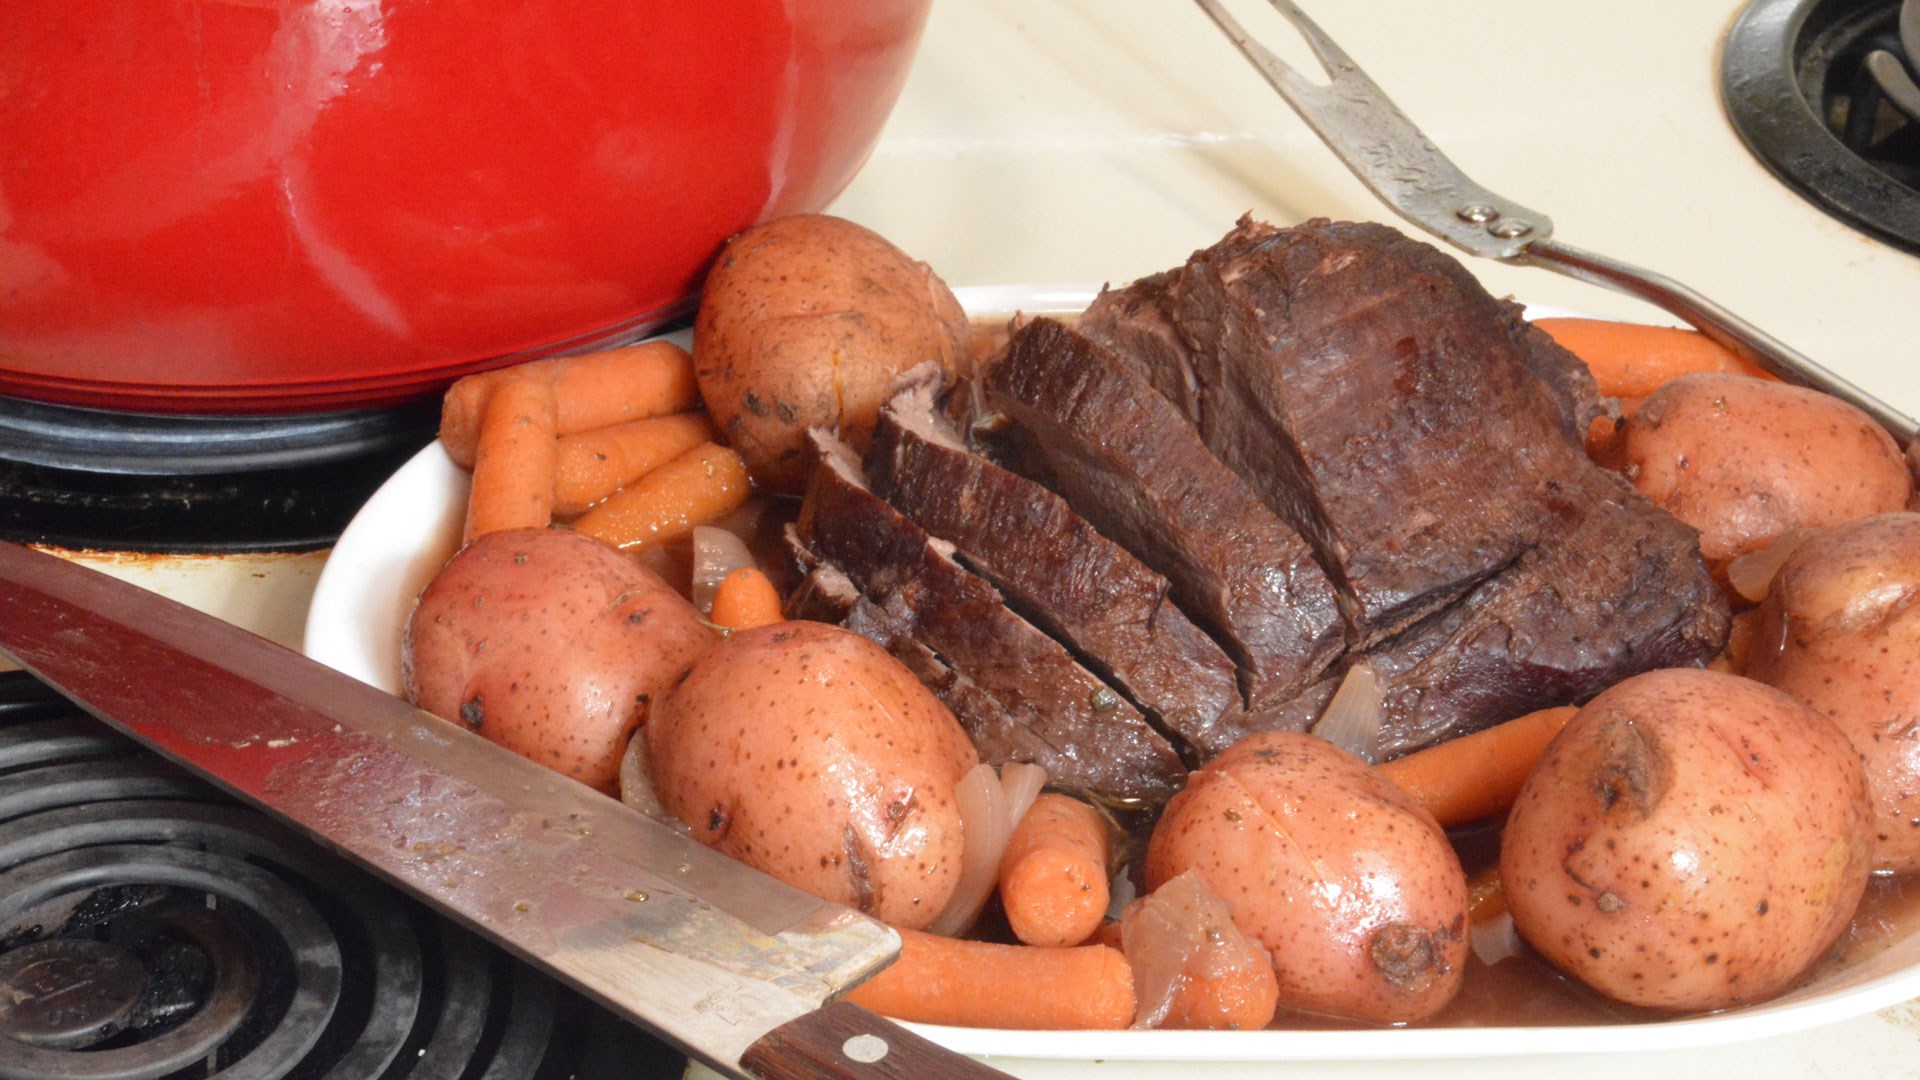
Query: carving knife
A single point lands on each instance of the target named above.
(729, 964)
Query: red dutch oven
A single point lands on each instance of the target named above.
(271, 206)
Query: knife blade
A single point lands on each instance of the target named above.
(1400, 165)
(734, 967)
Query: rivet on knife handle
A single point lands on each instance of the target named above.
(845, 1040)
(1398, 163)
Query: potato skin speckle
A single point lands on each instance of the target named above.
(550, 643)
(1692, 840)
(808, 752)
(1349, 884)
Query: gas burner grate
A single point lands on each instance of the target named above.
(1816, 89)
(152, 929)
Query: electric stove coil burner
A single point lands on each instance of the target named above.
(150, 929)
(1818, 89)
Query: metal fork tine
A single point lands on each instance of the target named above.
(1354, 116)
(1291, 84)
(1339, 65)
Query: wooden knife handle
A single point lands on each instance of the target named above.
(842, 1040)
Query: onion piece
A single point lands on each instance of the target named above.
(636, 784)
(716, 553)
(1752, 574)
(991, 804)
(1022, 782)
(1352, 719)
(1494, 939)
(1121, 893)
(1180, 934)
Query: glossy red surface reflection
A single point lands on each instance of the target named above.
(290, 205)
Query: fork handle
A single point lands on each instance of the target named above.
(1745, 339)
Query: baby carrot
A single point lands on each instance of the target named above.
(1478, 775)
(513, 460)
(940, 980)
(1633, 360)
(594, 464)
(590, 391)
(692, 489)
(745, 599)
(1053, 876)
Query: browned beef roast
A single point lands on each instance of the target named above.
(1128, 462)
(1373, 394)
(1341, 379)
(1055, 569)
(1053, 711)
(1429, 442)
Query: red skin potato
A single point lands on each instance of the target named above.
(1743, 460)
(551, 644)
(807, 321)
(1691, 840)
(1337, 872)
(1839, 630)
(808, 752)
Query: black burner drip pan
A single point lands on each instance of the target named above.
(93, 479)
(1796, 83)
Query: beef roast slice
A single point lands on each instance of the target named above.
(1372, 394)
(1081, 730)
(1055, 569)
(1127, 461)
(1622, 590)
(1139, 325)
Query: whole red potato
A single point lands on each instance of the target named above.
(1332, 868)
(1839, 630)
(808, 752)
(550, 643)
(1691, 840)
(1744, 459)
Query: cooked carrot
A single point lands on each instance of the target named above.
(594, 464)
(745, 599)
(940, 980)
(1602, 432)
(667, 503)
(513, 460)
(1478, 775)
(592, 390)
(1633, 360)
(1053, 875)
(1242, 999)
